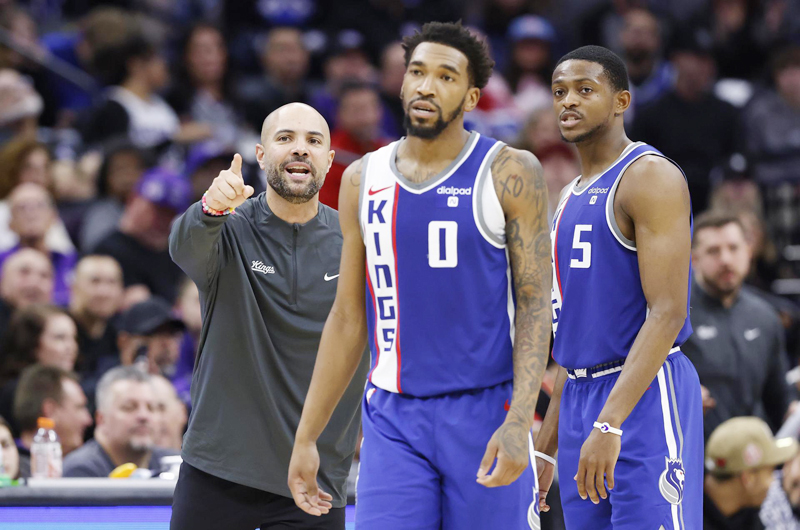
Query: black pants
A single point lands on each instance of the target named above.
(205, 502)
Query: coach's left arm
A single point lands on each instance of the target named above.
(654, 200)
(522, 191)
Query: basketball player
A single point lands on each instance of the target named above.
(627, 401)
(452, 228)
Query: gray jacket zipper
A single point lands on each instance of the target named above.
(295, 230)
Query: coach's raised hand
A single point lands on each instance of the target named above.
(228, 190)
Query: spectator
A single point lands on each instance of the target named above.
(150, 335)
(23, 160)
(203, 164)
(24, 34)
(772, 123)
(42, 334)
(203, 90)
(125, 427)
(27, 160)
(96, 298)
(285, 61)
(140, 241)
(540, 132)
(122, 167)
(738, 341)
(26, 278)
(33, 213)
(736, 192)
(781, 508)
(393, 69)
(347, 62)
(136, 71)
(734, 28)
(560, 166)
(101, 28)
(24, 54)
(741, 456)
(9, 464)
(531, 63)
(650, 74)
(49, 391)
(171, 415)
(357, 133)
(690, 124)
(20, 107)
(603, 24)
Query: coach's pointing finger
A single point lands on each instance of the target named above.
(236, 164)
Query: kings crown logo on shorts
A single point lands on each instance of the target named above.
(451, 190)
(671, 481)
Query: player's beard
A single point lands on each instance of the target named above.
(429, 132)
(278, 181)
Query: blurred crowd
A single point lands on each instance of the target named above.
(116, 115)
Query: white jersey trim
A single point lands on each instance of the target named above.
(486, 208)
(588, 185)
(611, 219)
(419, 189)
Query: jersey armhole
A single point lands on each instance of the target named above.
(611, 219)
(486, 207)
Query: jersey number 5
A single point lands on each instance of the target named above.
(443, 244)
(584, 246)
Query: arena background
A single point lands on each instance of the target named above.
(715, 84)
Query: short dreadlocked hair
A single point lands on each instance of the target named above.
(613, 67)
(454, 35)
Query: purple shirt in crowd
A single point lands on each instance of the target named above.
(63, 267)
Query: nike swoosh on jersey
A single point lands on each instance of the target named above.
(373, 192)
(329, 278)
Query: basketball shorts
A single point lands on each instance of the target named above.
(420, 459)
(659, 475)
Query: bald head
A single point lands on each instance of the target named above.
(26, 278)
(295, 152)
(291, 115)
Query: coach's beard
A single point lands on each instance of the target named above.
(429, 132)
(278, 181)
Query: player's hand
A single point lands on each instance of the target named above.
(228, 189)
(599, 456)
(303, 469)
(509, 445)
(545, 471)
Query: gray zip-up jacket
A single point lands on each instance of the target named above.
(740, 357)
(266, 288)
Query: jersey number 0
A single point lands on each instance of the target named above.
(443, 244)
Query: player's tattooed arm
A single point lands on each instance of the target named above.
(520, 186)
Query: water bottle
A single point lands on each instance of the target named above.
(46, 451)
